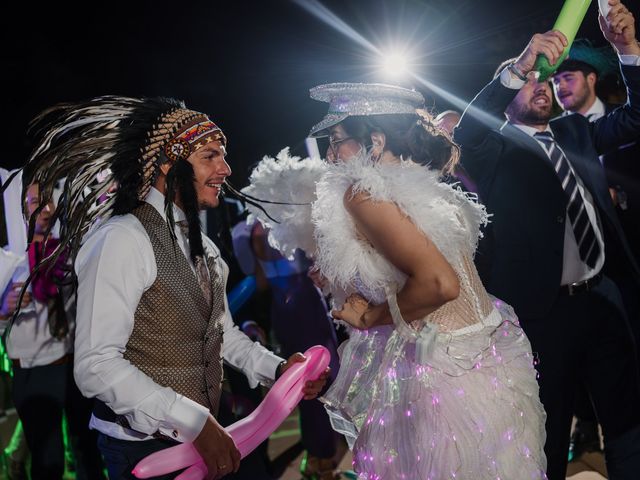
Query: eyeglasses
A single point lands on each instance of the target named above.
(334, 144)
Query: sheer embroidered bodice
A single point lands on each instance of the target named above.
(472, 305)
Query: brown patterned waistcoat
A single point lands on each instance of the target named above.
(176, 338)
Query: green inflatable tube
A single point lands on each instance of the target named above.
(568, 22)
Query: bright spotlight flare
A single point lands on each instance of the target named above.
(395, 64)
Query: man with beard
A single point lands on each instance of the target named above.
(553, 226)
(576, 83)
(153, 320)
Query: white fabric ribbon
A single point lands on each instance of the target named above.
(425, 339)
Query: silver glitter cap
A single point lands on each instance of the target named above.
(349, 99)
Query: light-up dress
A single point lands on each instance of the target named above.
(452, 396)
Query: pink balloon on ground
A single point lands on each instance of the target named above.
(249, 432)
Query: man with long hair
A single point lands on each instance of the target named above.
(153, 321)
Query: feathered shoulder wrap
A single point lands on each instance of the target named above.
(291, 181)
(450, 217)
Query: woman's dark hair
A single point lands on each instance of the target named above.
(408, 135)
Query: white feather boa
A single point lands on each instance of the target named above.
(450, 217)
(289, 180)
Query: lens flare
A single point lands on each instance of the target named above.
(395, 64)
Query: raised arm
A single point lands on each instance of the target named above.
(486, 111)
(431, 281)
(484, 114)
(623, 124)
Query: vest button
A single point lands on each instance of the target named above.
(560, 219)
(206, 364)
(206, 339)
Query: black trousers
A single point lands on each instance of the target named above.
(586, 340)
(631, 298)
(121, 456)
(41, 395)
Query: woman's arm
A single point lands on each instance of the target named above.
(431, 281)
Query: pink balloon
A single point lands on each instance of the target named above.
(194, 472)
(279, 401)
(249, 432)
(168, 460)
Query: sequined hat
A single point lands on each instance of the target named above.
(351, 99)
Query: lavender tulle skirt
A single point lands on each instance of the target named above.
(471, 411)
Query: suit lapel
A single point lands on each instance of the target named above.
(528, 143)
(588, 171)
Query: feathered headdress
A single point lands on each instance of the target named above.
(121, 141)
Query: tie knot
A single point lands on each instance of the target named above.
(544, 136)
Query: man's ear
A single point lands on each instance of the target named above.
(592, 78)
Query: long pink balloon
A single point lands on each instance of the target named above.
(249, 432)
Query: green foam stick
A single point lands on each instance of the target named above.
(568, 22)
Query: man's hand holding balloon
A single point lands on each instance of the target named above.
(312, 388)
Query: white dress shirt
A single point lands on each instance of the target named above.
(115, 266)
(574, 269)
(596, 111)
(30, 340)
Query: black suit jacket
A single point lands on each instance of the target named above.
(521, 258)
(622, 168)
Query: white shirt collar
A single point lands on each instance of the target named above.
(596, 111)
(530, 130)
(156, 200)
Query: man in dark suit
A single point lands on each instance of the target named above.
(578, 85)
(553, 225)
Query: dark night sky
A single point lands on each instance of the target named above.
(249, 65)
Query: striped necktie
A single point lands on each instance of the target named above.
(202, 272)
(582, 228)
